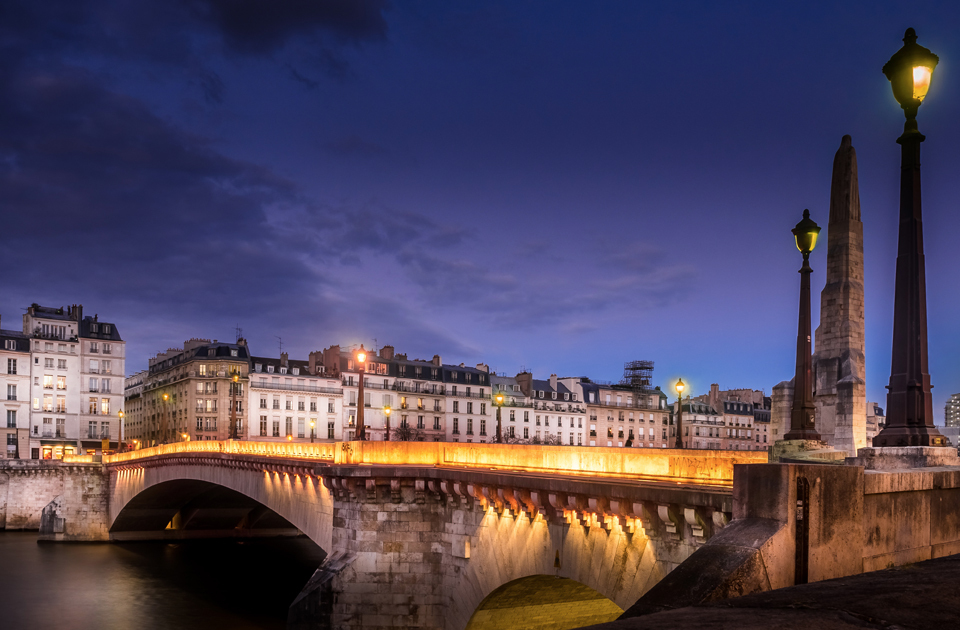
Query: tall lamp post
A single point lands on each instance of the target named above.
(163, 430)
(120, 441)
(499, 401)
(361, 364)
(312, 433)
(802, 425)
(386, 413)
(680, 386)
(233, 406)
(909, 401)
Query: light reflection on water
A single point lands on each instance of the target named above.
(202, 584)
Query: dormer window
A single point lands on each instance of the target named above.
(270, 369)
(233, 352)
(283, 370)
(106, 329)
(516, 388)
(540, 394)
(566, 396)
(258, 367)
(211, 352)
(553, 395)
(574, 398)
(93, 328)
(296, 370)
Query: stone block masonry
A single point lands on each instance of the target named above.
(73, 497)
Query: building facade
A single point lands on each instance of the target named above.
(15, 364)
(951, 411)
(293, 400)
(76, 373)
(189, 394)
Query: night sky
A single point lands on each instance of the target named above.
(554, 186)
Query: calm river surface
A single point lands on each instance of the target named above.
(203, 585)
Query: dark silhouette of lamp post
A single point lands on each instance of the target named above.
(313, 426)
(361, 364)
(386, 413)
(498, 400)
(680, 386)
(802, 416)
(909, 401)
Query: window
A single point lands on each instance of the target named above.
(300, 423)
(313, 406)
(11, 392)
(48, 363)
(10, 344)
(483, 426)
(263, 426)
(62, 383)
(301, 405)
(276, 403)
(330, 407)
(289, 426)
(107, 348)
(92, 409)
(106, 365)
(419, 422)
(11, 418)
(276, 428)
(48, 403)
(526, 416)
(61, 404)
(48, 381)
(105, 406)
(456, 406)
(11, 366)
(469, 407)
(456, 426)
(330, 427)
(483, 408)
(436, 423)
(94, 347)
(469, 426)
(263, 403)
(289, 404)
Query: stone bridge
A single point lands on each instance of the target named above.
(440, 535)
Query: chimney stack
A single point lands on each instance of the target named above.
(386, 353)
(283, 359)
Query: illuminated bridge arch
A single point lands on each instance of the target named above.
(543, 601)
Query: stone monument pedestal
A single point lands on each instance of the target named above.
(904, 457)
(812, 451)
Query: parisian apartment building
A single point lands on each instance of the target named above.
(63, 374)
(202, 390)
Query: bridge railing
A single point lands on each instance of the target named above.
(699, 467)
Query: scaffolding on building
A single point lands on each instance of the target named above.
(638, 376)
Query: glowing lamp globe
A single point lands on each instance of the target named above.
(387, 411)
(499, 399)
(680, 386)
(806, 234)
(910, 71)
(361, 355)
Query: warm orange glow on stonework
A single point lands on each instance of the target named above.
(713, 468)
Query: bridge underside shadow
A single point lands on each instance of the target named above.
(543, 602)
(189, 508)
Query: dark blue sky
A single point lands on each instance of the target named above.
(556, 186)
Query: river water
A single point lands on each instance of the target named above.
(194, 585)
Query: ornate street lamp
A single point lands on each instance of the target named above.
(909, 401)
(233, 406)
(680, 386)
(386, 412)
(120, 441)
(802, 417)
(312, 430)
(361, 364)
(498, 399)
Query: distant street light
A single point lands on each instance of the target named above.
(361, 364)
(312, 430)
(386, 412)
(680, 386)
(909, 401)
(120, 443)
(802, 424)
(499, 400)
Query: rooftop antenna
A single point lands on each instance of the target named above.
(280, 339)
(239, 332)
(376, 348)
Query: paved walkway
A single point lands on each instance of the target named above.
(922, 596)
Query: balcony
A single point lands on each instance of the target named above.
(102, 434)
(300, 388)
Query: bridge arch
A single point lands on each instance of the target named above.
(147, 498)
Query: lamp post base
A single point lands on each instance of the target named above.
(909, 436)
(814, 451)
(904, 457)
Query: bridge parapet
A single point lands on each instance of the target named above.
(693, 467)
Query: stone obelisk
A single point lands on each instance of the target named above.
(838, 359)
